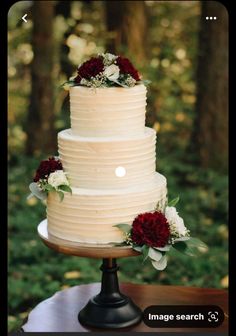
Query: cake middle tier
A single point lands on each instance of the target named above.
(92, 162)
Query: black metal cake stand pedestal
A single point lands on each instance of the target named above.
(110, 308)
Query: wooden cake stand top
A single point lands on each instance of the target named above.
(82, 249)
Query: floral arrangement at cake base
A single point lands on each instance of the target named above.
(49, 177)
(154, 233)
(106, 70)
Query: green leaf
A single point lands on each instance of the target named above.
(120, 84)
(173, 202)
(180, 246)
(30, 196)
(48, 187)
(145, 251)
(144, 81)
(161, 264)
(137, 248)
(69, 83)
(154, 254)
(37, 192)
(126, 228)
(164, 249)
(191, 247)
(196, 242)
(195, 246)
(61, 195)
(65, 188)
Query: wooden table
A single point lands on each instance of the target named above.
(59, 313)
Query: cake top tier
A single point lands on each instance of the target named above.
(106, 112)
(106, 70)
(107, 98)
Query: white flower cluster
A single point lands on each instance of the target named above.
(176, 223)
(161, 205)
(108, 58)
(178, 236)
(130, 81)
(57, 179)
(94, 82)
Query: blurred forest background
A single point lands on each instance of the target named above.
(186, 58)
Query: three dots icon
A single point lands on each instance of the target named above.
(211, 18)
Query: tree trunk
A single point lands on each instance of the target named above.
(211, 124)
(41, 134)
(127, 29)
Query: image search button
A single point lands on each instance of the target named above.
(183, 316)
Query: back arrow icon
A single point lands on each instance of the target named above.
(24, 18)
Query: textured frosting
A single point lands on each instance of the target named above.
(89, 215)
(102, 112)
(91, 162)
(107, 131)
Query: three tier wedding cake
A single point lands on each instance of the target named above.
(107, 135)
(103, 188)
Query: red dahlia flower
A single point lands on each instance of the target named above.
(150, 229)
(90, 68)
(47, 167)
(126, 67)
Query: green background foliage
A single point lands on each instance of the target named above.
(36, 272)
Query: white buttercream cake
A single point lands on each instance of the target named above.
(107, 131)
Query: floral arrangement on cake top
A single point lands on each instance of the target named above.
(106, 70)
(154, 233)
(49, 177)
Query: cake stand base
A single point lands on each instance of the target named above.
(110, 308)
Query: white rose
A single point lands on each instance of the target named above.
(57, 178)
(112, 72)
(176, 223)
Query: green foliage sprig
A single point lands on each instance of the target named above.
(179, 236)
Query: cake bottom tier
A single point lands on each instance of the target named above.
(89, 215)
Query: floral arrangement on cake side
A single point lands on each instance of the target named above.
(49, 177)
(106, 70)
(154, 233)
